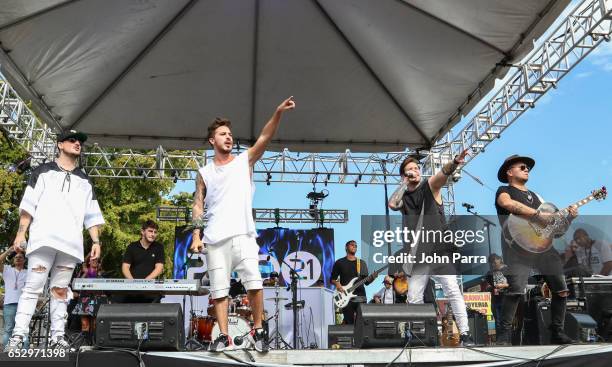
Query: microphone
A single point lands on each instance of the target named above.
(410, 174)
(468, 206)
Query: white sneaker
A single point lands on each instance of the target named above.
(61, 343)
(14, 343)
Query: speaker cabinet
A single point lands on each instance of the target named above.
(340, 336)
(479, 327)
(537, 322)
(158, 325)
(581, 327)
(379, 325)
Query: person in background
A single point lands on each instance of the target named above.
(592, 255)
(144, 259)
(386, 295)
(343, 271)
(497, 283)
(14, 277)
(89, 302)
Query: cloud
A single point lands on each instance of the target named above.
(584, 75)
(602, 56)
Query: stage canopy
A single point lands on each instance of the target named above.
(367, 75)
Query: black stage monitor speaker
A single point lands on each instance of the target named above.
(161, 326)
(379, 325)
(479, 327)
(340, 336)
(581, 327)
(536, 323)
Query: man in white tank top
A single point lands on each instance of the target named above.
(225, 187)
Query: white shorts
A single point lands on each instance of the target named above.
(240, 254)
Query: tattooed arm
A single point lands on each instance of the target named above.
(24, 222)
(396, 200)
(197, 211)
(505, 201)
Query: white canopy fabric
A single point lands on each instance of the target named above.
(367, 75)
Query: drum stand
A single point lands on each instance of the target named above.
(192, 342)
(276, 338)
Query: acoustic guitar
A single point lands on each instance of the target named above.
(535, 238)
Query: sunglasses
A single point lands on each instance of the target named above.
(72, 140)
(523, 167)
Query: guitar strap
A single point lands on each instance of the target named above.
(358, 266)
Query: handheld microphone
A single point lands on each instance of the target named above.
(467, 206)
(410, 174)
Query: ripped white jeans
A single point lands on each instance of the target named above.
(42, 263)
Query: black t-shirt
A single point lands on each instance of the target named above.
(142, 261)
(434, 219)
(347, 270)
(528, 198)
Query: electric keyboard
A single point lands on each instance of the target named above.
(141, 286)
(588, 286)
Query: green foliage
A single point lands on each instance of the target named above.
(126, 204)
(12, 185)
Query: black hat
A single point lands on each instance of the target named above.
(501, 173)
(65, 135)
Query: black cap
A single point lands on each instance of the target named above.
(501, 173)
(65, 135)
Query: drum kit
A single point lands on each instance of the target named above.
(205, 328)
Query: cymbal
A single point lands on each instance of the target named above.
(277, 298)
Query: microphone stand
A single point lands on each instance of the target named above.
(294, 302)
(192, 343)
(487, 224)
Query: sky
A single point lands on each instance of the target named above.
(568, 133)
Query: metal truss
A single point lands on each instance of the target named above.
(18, 123)
(589, 24)
(577, 35)
(267, 215)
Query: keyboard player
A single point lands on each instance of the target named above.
(143, 259)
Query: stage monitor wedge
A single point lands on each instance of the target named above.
(379, 325)
(160, 325)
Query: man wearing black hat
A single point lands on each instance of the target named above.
(58, 202)
(517, 199)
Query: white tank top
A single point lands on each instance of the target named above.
(229, 199)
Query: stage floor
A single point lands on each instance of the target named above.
(583, 355)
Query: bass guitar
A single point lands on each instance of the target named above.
(536, 238)
(342, 299)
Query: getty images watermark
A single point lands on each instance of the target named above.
(440, 242)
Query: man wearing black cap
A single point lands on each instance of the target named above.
(58, 202)
(518, 200)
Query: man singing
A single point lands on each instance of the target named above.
(420, 200)
(58, 202)
(225, 187)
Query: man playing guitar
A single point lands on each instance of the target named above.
(343, 271)
(516, 199)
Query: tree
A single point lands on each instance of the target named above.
(13, 164)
